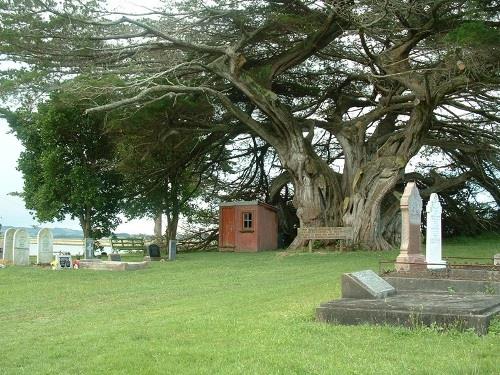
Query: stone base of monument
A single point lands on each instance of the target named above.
(96, 264)
(455, 303)
(410, 262)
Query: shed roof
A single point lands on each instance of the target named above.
(247, 203)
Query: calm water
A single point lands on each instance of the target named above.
(72, 249)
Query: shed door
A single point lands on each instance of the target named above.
(228, 228)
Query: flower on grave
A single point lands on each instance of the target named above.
(54, 264)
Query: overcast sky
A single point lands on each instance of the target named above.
(12, 210)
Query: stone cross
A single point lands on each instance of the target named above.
(433, 234)
(411, 212)
(45, 246)
(8, 245)
(21, 248)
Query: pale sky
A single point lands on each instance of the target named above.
(12, 210)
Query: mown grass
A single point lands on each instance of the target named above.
(219, 313)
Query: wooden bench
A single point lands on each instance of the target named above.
(128, 244)
(324, 233)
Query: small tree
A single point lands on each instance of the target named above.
(67, 164)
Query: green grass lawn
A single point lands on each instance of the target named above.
(219, 313)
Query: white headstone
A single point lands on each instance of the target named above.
(433, 247)
(21, 248)
(8, 244)
(45, 244)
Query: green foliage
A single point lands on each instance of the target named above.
(165, 169)
(67, 164)
(475, 34)
(261, 75)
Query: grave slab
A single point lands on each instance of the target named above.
(444, 285)
(100, 265)
(459, 311)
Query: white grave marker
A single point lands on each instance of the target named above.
(8, 244)
(45, 251)
(21, 248)
(433, 248)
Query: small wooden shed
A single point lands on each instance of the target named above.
(247, 226)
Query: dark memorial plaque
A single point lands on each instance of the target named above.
(365, 284)
(64, 262)
(114, 257)
(154, 251)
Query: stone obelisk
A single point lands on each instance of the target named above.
(410, 257)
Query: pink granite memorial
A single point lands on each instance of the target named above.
(410, 258)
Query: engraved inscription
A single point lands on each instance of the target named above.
(372, 281)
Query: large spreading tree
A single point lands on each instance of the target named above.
(381, 79)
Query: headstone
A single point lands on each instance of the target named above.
(154, 251)
(89, 248)
(8, 245)
(45, 245)
(410, 258)
(433, 247)
(172, 249)
(365, 284)
(496, 259)
(114, 257)
(21, 248)
(64, 262)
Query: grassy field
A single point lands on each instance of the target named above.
(220, 313)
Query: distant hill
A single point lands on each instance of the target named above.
(62, 232)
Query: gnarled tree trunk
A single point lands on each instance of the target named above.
(316, 186)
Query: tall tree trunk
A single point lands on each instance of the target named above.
(315, 189)
(316, 186)
(158, 226)
(171, 230)
(362, 206)
(370, 173)
(86, 225)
